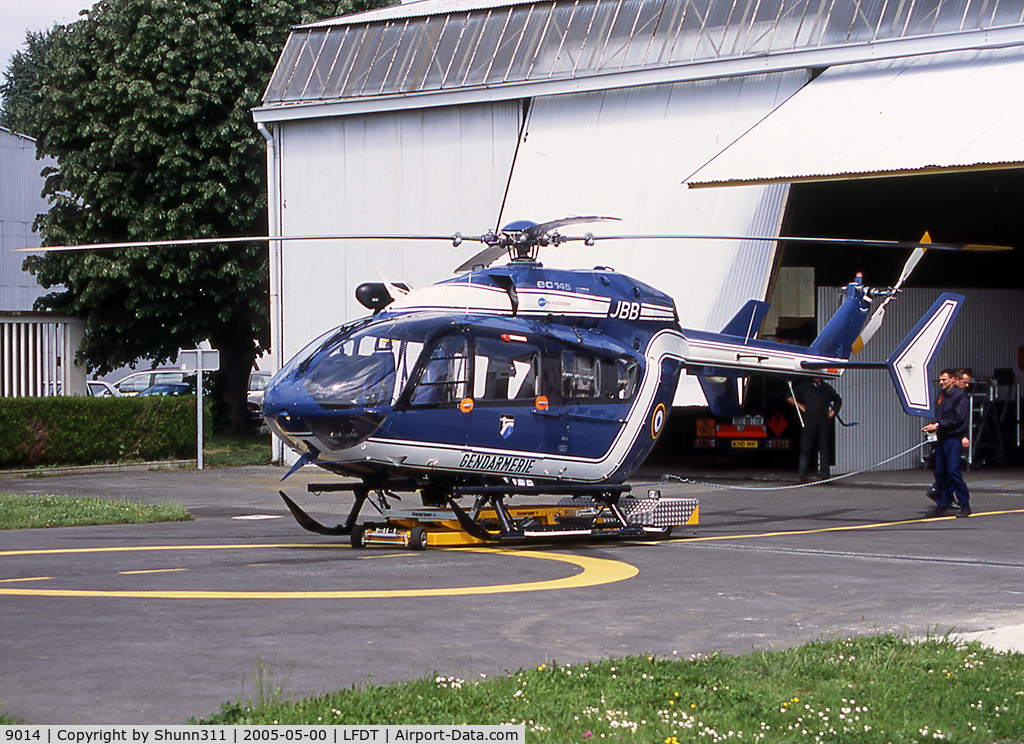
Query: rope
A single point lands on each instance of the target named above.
(690, 481)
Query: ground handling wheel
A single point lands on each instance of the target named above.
(356, 536)
(418, 539)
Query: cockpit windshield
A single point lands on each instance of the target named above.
(367, 367)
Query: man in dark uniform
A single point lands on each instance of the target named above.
(963, 379)
(950, 426)
(818, 403)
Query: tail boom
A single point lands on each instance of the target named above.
(716, 354)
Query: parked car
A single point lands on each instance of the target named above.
(258, 381)
(168, 388)
(257, 385)
(101, 389)
(136, 382)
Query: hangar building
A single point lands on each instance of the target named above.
(37, 349)
(742, 118)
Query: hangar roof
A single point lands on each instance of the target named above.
(438, 46)
(889, 118)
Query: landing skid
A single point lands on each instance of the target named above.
(584, 513)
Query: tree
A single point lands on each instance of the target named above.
(19, 92)
(145, 104)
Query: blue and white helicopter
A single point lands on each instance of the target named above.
(520, 379)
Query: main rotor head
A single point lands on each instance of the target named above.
(523, 239)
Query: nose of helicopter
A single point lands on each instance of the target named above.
(282, 398)
(303, 423)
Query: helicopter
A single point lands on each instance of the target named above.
(527, 380)
(520, 379)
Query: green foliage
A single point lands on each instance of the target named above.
(237, 449)
(79, 431)
(26, 512)
(146, 105)
(19, 92)
(876, 689)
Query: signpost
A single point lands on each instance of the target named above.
(199, 360)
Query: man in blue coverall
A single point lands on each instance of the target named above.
(950, 426)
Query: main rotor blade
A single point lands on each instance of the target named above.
(455, 237)
(239, 239)
(868, 242)
(484, 258)
(543, 228)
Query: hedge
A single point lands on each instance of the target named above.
(84, 431)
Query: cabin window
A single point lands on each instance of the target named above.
(608, 380)
(505, 370)
(445, 376)
(623, 378)
(581, 375)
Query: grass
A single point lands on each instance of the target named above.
(873, 689)
(221, 450)
(235, 450)
(23, 512)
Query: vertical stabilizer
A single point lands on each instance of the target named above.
(747, 322)
(910, 364)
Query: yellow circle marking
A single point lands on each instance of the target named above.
(595, 571)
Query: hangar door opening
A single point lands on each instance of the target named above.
(978, 207)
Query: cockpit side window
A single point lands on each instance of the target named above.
(445, 376)
(505, 370)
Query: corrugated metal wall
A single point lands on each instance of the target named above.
(37, 356)
(985, 336)
(430, 171)
(20, 202)
(625, 153)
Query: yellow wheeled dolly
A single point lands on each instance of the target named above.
(574, 518)
(607, 512)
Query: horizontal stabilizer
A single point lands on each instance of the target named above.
(910, 363)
